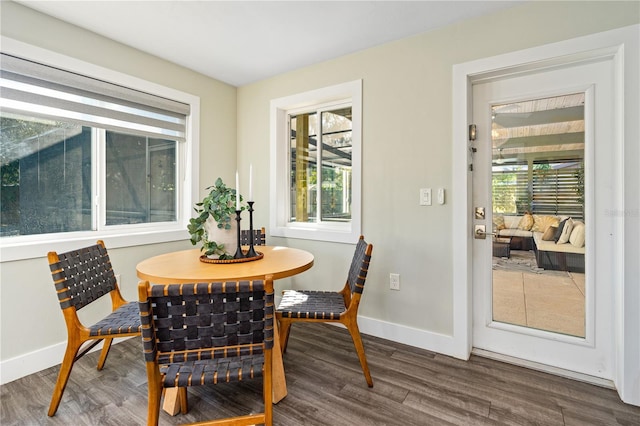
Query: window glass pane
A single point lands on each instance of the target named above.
(140, 179)
(46, 176)
(304, 154)
(336, 165)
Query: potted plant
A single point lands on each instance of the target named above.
(215, 225)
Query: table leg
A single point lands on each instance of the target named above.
(279, 380)
(171, 402)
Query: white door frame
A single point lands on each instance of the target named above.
(623, 47)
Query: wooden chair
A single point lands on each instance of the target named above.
(330, 306)
(81, 277)
(207, 333)
(259, 237)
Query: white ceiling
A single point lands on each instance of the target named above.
(240, 42)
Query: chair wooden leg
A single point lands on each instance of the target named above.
(106, 345)
(63, 375)
(357, 341)
(154, 395)
(267, 389)
(285, 328)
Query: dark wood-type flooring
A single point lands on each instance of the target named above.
(327, 387)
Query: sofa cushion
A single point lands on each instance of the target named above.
(511, 222)
(552, 246)
(556, 236)
(509, 232)
(526, 222)
(566, 232)
(542, 222)
(498, 222)
(549, 233)
(577, 234)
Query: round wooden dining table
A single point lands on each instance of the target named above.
(185, 266)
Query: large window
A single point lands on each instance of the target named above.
(46, 181)
(316, 161)
(82, 158)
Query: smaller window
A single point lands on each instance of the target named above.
(316, 164)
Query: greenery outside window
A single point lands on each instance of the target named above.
(316, 164)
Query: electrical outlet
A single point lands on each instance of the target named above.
(394, 281)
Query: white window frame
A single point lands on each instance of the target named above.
(281, 108)
(33, 246)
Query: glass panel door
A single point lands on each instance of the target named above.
(537, 191)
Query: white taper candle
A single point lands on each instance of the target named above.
(250, 182)
(237, 191)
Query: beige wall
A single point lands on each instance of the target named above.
(406, 145)
(27, 299)
(407, 133)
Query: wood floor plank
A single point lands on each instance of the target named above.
(327, 387)
(444, 410)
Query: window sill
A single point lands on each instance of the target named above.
(23, 250)
(336, 234)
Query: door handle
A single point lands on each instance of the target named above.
(480, 234)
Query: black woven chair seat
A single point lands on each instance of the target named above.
(125, 319)
(212, 371)
(311, 304)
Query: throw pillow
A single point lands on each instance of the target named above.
(542, 222)
(566, 232)
(498, 222)
(577, 234)
(526, 222)
(549, 233)
(556, 236)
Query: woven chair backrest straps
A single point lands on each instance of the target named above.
(184, 320)
(83, 276)
(246, 237)
(359, 266)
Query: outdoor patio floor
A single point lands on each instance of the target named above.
(545, 300)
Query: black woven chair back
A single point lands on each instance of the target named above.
(188, 322)
(359, 266)
(83, 276)
(257, 236)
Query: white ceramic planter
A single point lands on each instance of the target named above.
(227, 237)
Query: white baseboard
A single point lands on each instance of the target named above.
(23, 365)
(435, 342)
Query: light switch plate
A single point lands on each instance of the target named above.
(440, 195)
(425, 196)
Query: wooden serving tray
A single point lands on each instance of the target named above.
(205, 259)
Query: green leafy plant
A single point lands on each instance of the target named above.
(220, 205)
